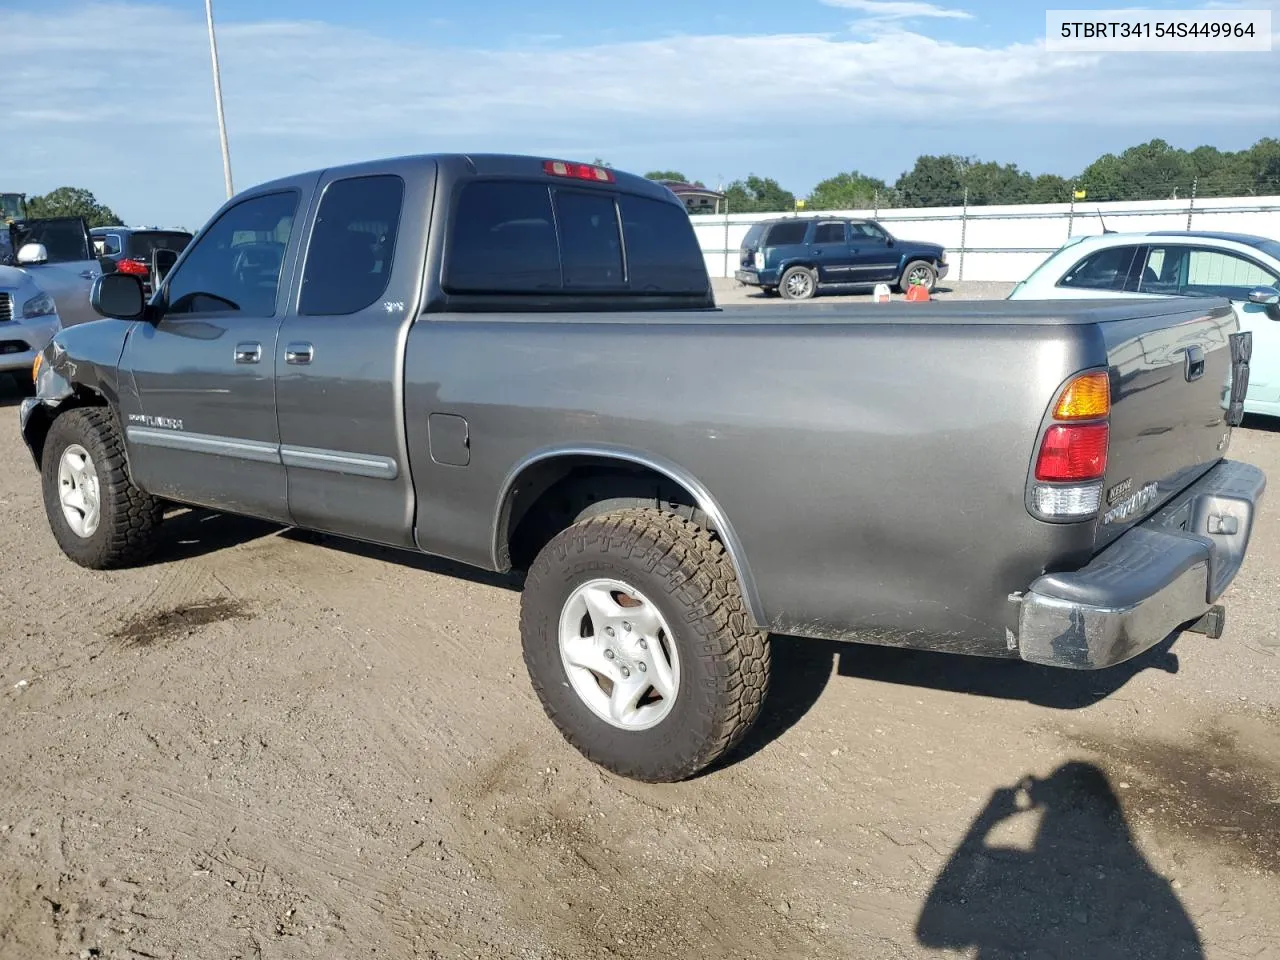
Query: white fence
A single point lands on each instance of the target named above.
(1008, 242)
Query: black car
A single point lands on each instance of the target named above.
(130, 249)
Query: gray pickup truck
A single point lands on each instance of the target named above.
(519, 364)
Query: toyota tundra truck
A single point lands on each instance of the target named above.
(518, 363)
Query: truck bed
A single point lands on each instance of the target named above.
(898, 437)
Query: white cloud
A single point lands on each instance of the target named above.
(900, 9)
(80, 107)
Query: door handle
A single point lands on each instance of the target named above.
(299, 353)
(248, 352)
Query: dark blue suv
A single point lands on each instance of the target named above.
(797, 255)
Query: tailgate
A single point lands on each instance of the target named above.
(1171, 378)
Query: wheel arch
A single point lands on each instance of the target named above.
(539, 473)
(37, 421)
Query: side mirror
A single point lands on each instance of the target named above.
(118, 295)
(32, 254)
(1267, 297)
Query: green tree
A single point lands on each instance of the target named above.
(758, 195)
(851, 191)
(665, 175)
(72, 202)
(933, 182)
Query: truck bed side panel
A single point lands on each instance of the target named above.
(874, 473)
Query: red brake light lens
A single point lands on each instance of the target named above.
(136, 267)
(1073, 453)
(578, 171)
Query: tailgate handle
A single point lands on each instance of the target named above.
(1194, 369)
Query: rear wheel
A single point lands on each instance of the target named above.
(798, 283)
(99, 518)
(639, 645)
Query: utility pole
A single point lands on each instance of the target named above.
(217, 99)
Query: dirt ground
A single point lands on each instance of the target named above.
(272, 745)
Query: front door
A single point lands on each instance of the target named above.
(68, 274)
(339, 359)
(202, 429)
(1192, 271)
(873, 258)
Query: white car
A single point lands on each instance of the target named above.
(1242, 268)
(28, 321)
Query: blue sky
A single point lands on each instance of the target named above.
(115, 96)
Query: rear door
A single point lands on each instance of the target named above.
(831, 251)
(69, 272)
(339, 359)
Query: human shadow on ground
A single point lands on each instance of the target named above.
(1080, 888)
(802, 668)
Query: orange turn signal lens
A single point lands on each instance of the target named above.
(35, 366)
(1087, 397)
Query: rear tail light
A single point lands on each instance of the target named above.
(134, 266)
(578, 171)
(1072, 459)
(1073, 452)
(759, 260)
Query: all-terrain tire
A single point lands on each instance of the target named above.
(724, 659)
(129, 519)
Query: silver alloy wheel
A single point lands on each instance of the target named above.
(619, 654)
(918, 275)
(799, 284)
(78, 491)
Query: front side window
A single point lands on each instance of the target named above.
(871, 232)
(1104, 270)
(352, 246)
(235, 266)
(1222, 273)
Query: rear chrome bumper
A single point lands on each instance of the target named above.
(1157, 578)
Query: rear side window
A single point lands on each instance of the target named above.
(1104, 270)
(782, 234)
(110, 244)
(515, 237)
(752, 239)
(352, 246)
(829, 233)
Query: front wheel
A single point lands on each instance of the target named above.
(918, 272)
(99, 518)
(639, 645)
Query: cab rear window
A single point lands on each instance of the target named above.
(528, 237)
